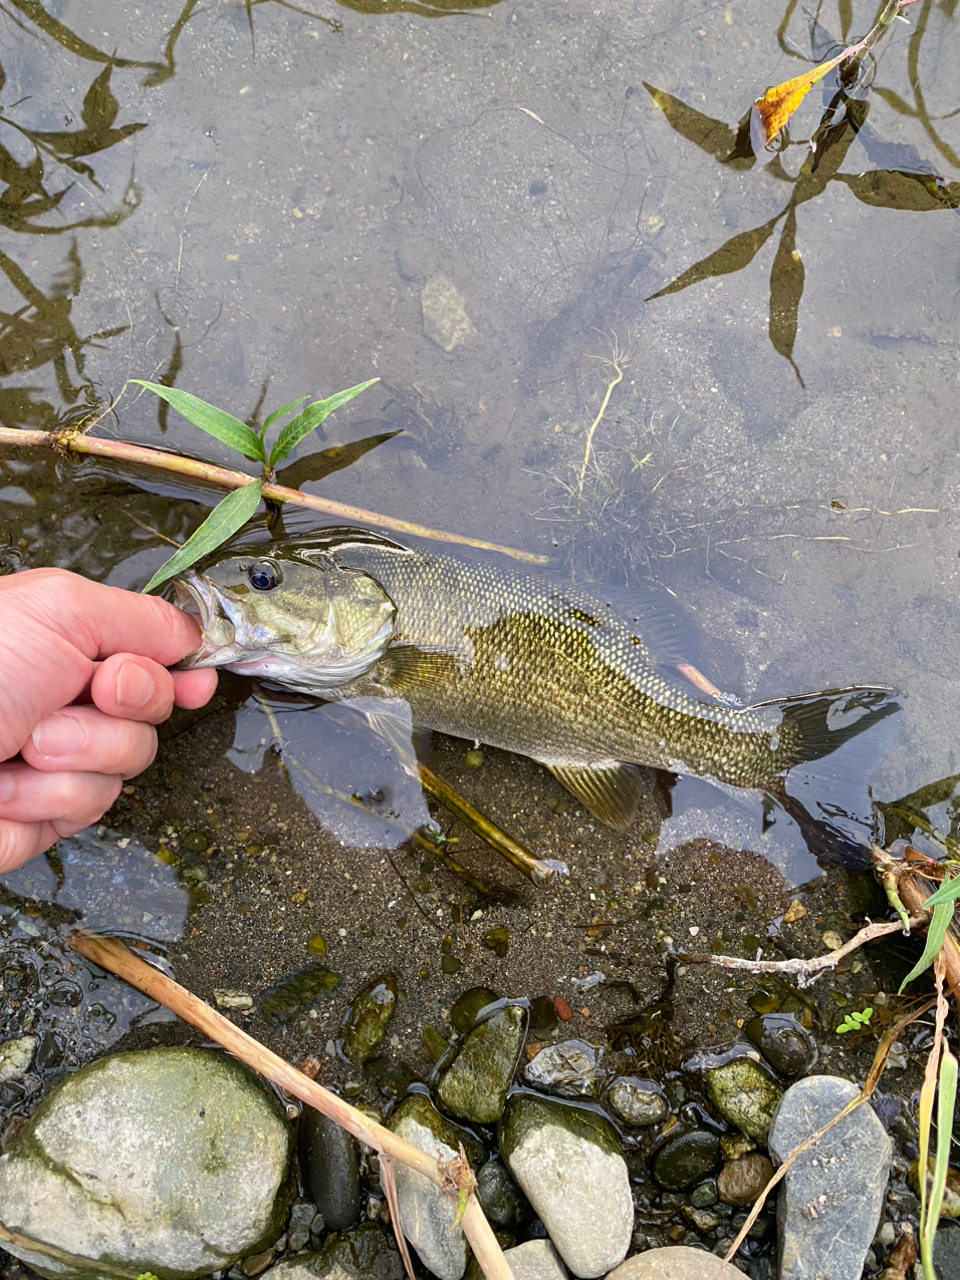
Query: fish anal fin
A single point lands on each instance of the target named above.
(611, 791)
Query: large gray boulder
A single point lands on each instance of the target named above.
(832, 1196)
(174, 1161)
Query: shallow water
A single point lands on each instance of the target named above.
(251, 203)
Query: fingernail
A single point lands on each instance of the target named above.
(58, 735)
(134, 686)
(7, 786)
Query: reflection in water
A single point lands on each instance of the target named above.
(352, 764)
(72, 1010)
(902, 179)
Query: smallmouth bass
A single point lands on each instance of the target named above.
(567, 675)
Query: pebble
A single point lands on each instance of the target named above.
(169, 1160)
(500, 1198)
(741, 1181)
(15, 1057)
(570, 1069)
(567, 1161)
(474, 1086)
(535, 1260)
(330, 1164)
(445, 320)
(369, 1016)
(675, 1263)
(638, 1102)
(686, 1159)
(368, 1252)
(426, 1216)
(832, 1196)
(789, 1048)
(745, 1095)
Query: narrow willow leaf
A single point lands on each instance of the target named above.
(216, 422)
(222, 523)
(936, 932)
(734, 255)
(278, 413)
(309, 419)
(786, 290)
(945, 1104)
(949, 891)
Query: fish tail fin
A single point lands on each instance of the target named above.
(830, 744)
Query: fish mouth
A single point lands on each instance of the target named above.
(200, 601)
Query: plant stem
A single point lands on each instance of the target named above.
(225, 478)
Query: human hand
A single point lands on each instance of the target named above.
(85, 679)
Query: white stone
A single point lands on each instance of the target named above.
(582, 1194)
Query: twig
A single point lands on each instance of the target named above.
(225, 478)
(805, 971)
(615, 362)
(538, 871)
(112, 955)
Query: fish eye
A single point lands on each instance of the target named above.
(263, 576)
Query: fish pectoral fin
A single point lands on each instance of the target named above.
(611, 792)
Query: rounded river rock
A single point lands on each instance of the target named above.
(567, 1161)
(170, 1160)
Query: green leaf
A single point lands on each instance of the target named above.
(936, 932)
(216, 422)
(949, 891)
(310, 418)
(946, 1100)
(278, 413)
(222, 523)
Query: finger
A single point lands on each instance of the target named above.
(27, 795)
(85, 740)
(101, 620)
(21, 841)
(133, 688)
(193, 689)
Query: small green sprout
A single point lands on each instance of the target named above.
(233, 512)
(855, 1021)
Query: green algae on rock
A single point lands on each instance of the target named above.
(171, 1160)
(368, 1018)
(567, 1160)
(745, 1095)
(474, 1086)
(427, 1217)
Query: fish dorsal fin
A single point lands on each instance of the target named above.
(610, 791)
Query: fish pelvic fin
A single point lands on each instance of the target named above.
(611, 792)
(831, 743)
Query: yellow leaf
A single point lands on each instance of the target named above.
(770, 113)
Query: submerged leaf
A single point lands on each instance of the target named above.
(712, 136)
(786, 290)
(222, 523)
(734, 255)
(310, 418)
(216, 422)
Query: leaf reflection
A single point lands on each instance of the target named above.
(902, 179)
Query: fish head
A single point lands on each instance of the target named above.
(307, 625)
